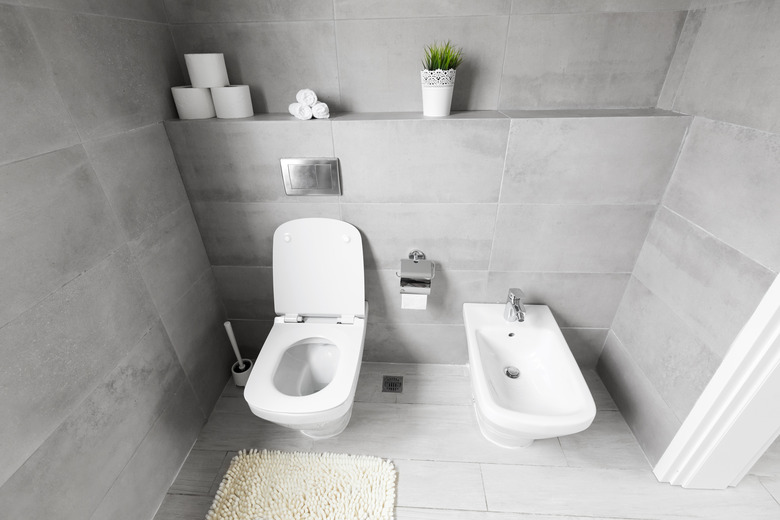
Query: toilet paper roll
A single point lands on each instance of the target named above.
(193, 103)
(232, 101)
(207, 70)
(414, 301)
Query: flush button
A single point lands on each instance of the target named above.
(311, 176)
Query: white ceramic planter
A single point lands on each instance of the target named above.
(437, 86)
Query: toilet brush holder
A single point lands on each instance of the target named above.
(241, 376)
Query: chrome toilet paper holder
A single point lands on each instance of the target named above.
(416, 273)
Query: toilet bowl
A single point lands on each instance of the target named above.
(306, 373)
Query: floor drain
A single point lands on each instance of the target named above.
(393, 384)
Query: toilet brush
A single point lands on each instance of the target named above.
(243, 366)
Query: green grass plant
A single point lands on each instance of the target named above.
(442, 56)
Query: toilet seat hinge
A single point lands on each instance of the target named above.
(293, 318)
(347, 319)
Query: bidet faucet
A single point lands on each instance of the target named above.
(514, 309)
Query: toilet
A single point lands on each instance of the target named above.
(306, 373)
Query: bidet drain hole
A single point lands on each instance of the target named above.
(511, 334)
(393, 384)
(512, 372)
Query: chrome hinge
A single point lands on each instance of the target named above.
(293, 318)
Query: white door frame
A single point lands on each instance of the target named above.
(737, 417)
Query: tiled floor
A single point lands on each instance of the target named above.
(446, 470)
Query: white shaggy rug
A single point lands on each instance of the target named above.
(274, 485)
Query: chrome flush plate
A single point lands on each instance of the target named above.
(311, 176)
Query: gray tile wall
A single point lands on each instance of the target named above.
(712, 250)
(496, 200)
(111, 351)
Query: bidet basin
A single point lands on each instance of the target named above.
(525, 382)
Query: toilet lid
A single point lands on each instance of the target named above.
(318, 268)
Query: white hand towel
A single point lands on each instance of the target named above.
(320, 110)
(306, 97)
(300, 111)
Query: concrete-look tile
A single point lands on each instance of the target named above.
(449, 291)
(91, 447)
(599, 392)
(140, 488)
(194, 325)
(199, 472)
(769, 463)
(677, 361)
(455, 236)
(726, 182)
(611, 160)
(183, 507)
(731, 74)
(430, 432)
(246, 292)
(652, 421)
(56, 224)
(585, 344)
(617, 493)
(221, 472)
(232, 431)
(30, 99)
(148, 10)
(71, 340)
(415, 343)
(588, 60)
(369, 386)
(590, 6)
(607, 443)
(361, 9)
(412, 513)
(680, 59)
(384, 161)
(233, 161)
(399, 43)
(701, 279)
(170, 256)
(139, 176)
(108, 85)
(294, 55)
(772, 484)
(212, 11)
(569, 238)
(250, 335)
(575, 299)
(440, 389)
(439, 484)
(242, 233)
(423, 383)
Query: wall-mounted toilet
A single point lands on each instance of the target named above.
(306, 374)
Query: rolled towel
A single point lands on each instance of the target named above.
(320, 110)
(306, 97)
(300, 111)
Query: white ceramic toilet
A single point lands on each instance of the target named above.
(306, 374)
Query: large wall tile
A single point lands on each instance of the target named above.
(274, 59)
(415, 343)
(575, 299)
(171, 257)
(56, 223)
(588, 60)
(680, 60)
(651, 420)
(54, 354)
(664, 347)
(732, 72)
(71, 471)
(212, 11)
(455, 236)
(246, 292)
(379, 61)
(250, 335)
(149, 10)
(108, 85)
(569, 238)
(242, 234)
(357, 9)
(30, 99)
(139, 175)
(701, 279)
(610, 160)
(726, 182)
(239, 161)
(585, 344)
(591, 6)
(458, 160)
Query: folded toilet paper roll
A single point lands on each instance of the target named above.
(232, 102)
(207, 70)
(414, 301)
(193, 103)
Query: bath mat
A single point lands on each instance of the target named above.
(275, 485)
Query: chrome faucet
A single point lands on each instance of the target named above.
(514, 309)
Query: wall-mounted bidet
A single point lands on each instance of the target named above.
(306, 374)
(525, 381)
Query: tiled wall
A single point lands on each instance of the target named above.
(364, 56)
(556, 203)
(712, 251)
(111, 352)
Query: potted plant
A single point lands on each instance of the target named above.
(438, 77)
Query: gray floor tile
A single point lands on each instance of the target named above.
(198, 473)
(453, 485)
(183, 507)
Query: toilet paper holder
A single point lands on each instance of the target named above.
(416, 273)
